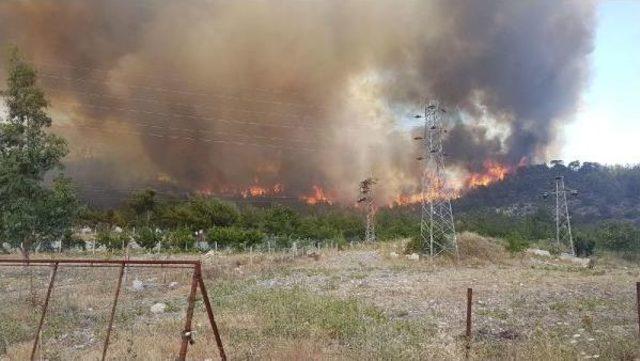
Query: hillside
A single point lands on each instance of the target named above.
(605, 192)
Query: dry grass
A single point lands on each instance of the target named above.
(358, 304)
(474, 248)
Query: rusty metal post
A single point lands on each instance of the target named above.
(468, 331)
(44, 310)
(212, 321)
(186, 334)
(638, 304)
(113, 313)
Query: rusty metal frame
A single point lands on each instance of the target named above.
(197, 283)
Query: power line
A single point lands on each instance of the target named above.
(189, 116)
(198, 130)
(188, 92)
(179, 91)
(193, 139)
(173, 78)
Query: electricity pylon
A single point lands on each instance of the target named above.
(437, 229)
(564, 237)
(366, 197)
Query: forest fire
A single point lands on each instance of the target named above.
(319, 196)
(261, 191)
(407, 199)
(494, 172)
(253, 191)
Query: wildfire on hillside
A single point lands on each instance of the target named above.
(318, 196)
(255, 191)
(493, 172)
(407, 199)
(456, 186)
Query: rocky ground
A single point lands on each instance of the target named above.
(361, 303)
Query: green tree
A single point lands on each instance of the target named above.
(281, 221)
(30, 211)
(143, 204)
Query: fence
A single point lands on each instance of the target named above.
(197, 283)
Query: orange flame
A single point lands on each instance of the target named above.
(318, 196)
(494, 172)
(252, 191)
(406, 199)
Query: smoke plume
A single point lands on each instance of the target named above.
(223, 95)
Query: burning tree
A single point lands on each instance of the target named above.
(30, 211)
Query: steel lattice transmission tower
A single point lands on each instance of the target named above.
(437, 229)
(366, 198)
(564, 237)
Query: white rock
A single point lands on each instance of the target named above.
(137, 285)
(117, 229)
(413, 256)
(583, 262)
(134, 245)
(173, 284)
(539, 252)
(393, 255)
(158, 308)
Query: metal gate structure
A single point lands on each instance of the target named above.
(197, 282)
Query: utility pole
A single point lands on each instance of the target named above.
(562, 218)
(437, 228)
(366, 198)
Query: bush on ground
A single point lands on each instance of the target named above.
(147, 237)
(112, 240)
(180, 239)
(476, 247)
(233, 237)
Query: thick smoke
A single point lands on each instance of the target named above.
(219, 95)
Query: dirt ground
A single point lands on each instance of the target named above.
(362, 303)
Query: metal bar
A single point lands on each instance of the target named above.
(77, 265)
(97, 262)
(638, 303)
(44, 311)
(212, 320)
(113, 313)
(469, 300)
(186, 334)
(468, 331)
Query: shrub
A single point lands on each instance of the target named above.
(208, 212)
(516, 243)
(474, 246)
(414, 246)
(71, 240)
(147, 237)
(281, 221)
(584, 245)
(180, 239)
(234, 237)
(112, 240)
